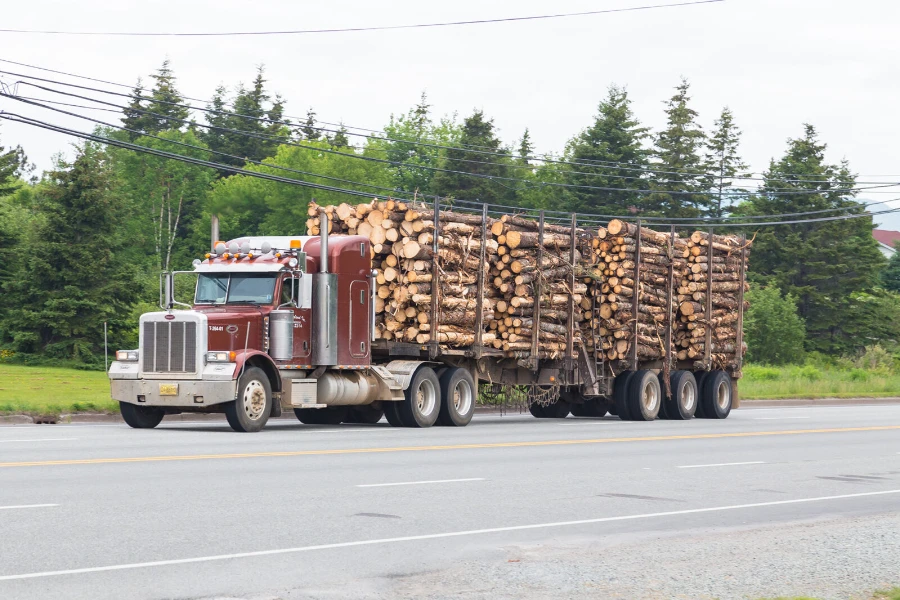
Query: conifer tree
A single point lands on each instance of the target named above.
(526, 148)
(477, 132)
(164, 98)
(339, 139)
(135, 114)
(680, 172)
(610, 154)
(724, 160)
(309, 127)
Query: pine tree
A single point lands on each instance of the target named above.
(822, 263)
(477, 132)
(215, 117)
(64, 292)
(135, 115)
(163, 100)
(526, 148)
(679, 171)
(12, 165)
(339, 139)
(614, 144)
(890, 277)
(725, 163)
(309, 127)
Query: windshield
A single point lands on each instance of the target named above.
(235, 288)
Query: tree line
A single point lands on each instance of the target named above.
(83, 243)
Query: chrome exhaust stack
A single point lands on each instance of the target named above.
(324, 325)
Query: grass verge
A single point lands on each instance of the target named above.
(812, 382)
(53, 391)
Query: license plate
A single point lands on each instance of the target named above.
(168, 389)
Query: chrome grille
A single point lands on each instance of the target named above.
(169, 347)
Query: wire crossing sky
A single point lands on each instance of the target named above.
(359, 29)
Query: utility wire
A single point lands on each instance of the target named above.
(495, 178)
(359, 29)
(170, 155)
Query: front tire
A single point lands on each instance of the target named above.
(458, 394)
(422, 399)
(717, 395)
(141, 417)
(250, 411)
(644, 396)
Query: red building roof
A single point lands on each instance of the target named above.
(888, 238)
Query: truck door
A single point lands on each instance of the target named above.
(302, 313)
(359, 319)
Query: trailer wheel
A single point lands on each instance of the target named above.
(717, 395)
(620, 394)
(141, 417)
(367, 414)
(458, 395)
(422, 402)
(682, 404)
(700, 376)
(392, 413)
(331, 415)
(590, 408)
(250, 411)
(558, 410)
(644, 396)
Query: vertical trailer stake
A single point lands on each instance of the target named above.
(570, 323)
(479, 302)
(707, 354)
(637, 294)
(434, 349)
(536, 317)
(739, 360)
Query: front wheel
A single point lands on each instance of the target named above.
(141, 417)
(250, 411)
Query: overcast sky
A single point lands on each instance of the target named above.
(776, 63)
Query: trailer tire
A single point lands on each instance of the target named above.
(644, 396)
(682, 404)
(458, 396)
(392, 413)
(620, 394)
(250, 411)
(141, 417)
(700, 376)
(331, 415)
(717, 395)
(366, 414)
(422, 399)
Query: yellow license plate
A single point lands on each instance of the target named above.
(168, 389)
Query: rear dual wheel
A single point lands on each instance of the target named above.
(682, 404)
(716, 395)
(558, 410)
(446, 397)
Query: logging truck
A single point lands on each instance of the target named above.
(410, 311)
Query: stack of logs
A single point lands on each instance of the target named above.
(527, 282)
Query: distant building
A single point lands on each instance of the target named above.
(886, 241)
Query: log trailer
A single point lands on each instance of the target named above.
(288, 323)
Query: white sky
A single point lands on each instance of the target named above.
(776, 63)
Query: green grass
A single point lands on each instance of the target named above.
(52, 391)
(893, 594)
(816, 382)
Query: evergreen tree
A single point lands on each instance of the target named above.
(72, 282)
(614, 144)
(163, 99)
(823, 263)
(216, 118)
(339, 139)
(526, 148)
(309, 127)
(890, 277)
(723, 158)
(135, 115)
(477, 132)
(679, 166)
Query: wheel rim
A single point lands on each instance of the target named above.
(462, 398)
(254, 400)
(426, 398)
(650, 398)
(722, 395)
(688, 396)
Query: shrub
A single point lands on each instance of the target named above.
(775, 332)
(757, 373)
(858, 375)
(875, 358)
(810, 372)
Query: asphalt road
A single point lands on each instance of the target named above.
(769, 502)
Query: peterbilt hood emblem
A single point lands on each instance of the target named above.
(170, 317)
(232, 329)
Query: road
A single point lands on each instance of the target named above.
(769, 502)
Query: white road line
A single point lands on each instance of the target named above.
(734, 464)
(371, 485)
(431, 536)
(38, 440)
(28, 506)
(777, 418)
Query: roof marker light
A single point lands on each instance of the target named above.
(296, 244)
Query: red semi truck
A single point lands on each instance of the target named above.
(287, 323)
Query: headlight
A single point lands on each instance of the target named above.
(219, 356)
(127, 355)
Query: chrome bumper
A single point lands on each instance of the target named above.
(148, 392)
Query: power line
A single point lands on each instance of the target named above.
(495, 178)
(360, 29)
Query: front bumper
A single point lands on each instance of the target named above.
(193, 393)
